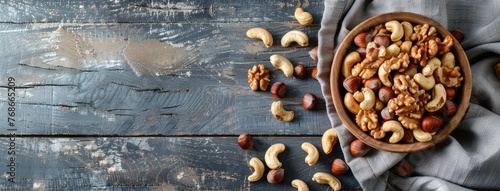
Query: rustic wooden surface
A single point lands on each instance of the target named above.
(149, 95)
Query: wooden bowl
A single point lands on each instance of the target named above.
(461, 99)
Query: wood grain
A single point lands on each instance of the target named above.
(157, 163)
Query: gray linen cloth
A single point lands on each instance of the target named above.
(468, 159)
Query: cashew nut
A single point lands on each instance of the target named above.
(351, 104)
(260, 33)
(396, 28)
(408, 30)
(448, 60)
(258, 168)
(383, 75)
(297, 36)
(438, 98)
(432, 64)
(392, 50)
(351, 59)
(396, 128)
(328, 140)
(271, 156)
(421, 136)
(282, 63)
(300, 185)
(312, 153)
(325, 178)
(424, 82)
(369, 100)
(406, 46)
(280, 113)
(304, 18)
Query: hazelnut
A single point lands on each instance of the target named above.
(497, 70)
(276, 176)
(299, 71)
(458, 35)
(245, 141)
(382, 40)
(309, 101)
(408, 136)
(314, 73)
(386, 114)
(339, 166)
(450, 107)
(403, 168)
(362, 52)
(352, 83)
(450, 93)
(431, 123)
(278, 90)
(313, 53)
(373, 83)
(385, 94)
(359, 40)
(358, 148)
(411, 70)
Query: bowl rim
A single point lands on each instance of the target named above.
(349, 123)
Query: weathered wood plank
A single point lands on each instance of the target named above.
(154, 163)
(149, 79)
(163, 11)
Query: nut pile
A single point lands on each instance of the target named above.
(401, 81)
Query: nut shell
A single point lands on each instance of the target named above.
(278, 90)
(339, 166)
(299, 71)
(314, 73)
(352, 83)
(245, 141)
(358, 148)
(309, 101)
(458, 35)
(276, 176)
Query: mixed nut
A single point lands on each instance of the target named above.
(401, 77)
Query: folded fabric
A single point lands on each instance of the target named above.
(468, 159)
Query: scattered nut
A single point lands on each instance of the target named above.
(258, 167)
(260, 33)
(271, 156)
(358, 148)
(352, 83)
(309, 101)
(403, 168)
(275, 176)
(280, 113)
(458, 35)
(339, 166)
(312, 153)
(258, 77)
(300, 185)
(396, 128)
(325, 178)
(313, 53)
(245, 141)
(314, 73)
(278, 90)
(282, 63)
(432, 123)
(297, 36)
(328, 140)
(299, 71)
(303, 17)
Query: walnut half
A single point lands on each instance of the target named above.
(258, 77)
